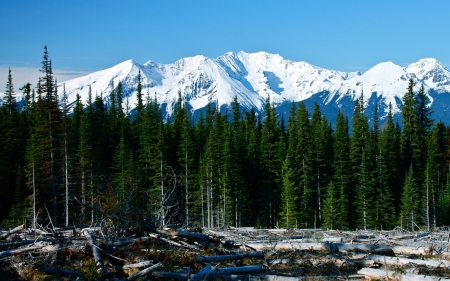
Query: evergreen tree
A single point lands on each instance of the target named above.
(43, 153)
(383, 214)
(270, 135)
(10, 98)
(409, 215)
(342, 173)
(186, 160)
(288, 211)
(332, 207)
(435, 172)
(359, 144)
(321, 155)
(305, 168)
(364, 196)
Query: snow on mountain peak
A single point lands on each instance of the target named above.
(431, 72)
(253, 77)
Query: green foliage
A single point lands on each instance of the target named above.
(289, 199)
(409, 214)
(236, 169)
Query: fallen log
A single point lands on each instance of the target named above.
(119, 243)
(41, 232)
(199, 237)
(252, 255)
(8, 253)
(58, 271)
(404, 250)
(209, 272)
(203, 274)
(134, 265)
(14, 230)
(172, 275)
(155, 236)
(404, 261)
(98, 259)
(318, 278)
(236, 270)
(373, 273)
(277, 246)
(145, 271)
(16, 244)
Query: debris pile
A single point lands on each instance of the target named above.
(94, 253)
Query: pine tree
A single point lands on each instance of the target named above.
(289, 196)
(364, 196)
(186, 160)
(409, 215)
(359, 144)
(44, 157)
(321, 153)
(253, 177)
(305, 168)
(435, 172)
(332, 206)
(383, 214)
(269, 139)
(409, 123)
(341, 176)
(10, 98)
(9, 148)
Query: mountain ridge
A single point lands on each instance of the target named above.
(252, 77)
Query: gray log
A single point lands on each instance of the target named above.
(58, 271)
(254, 255)
(145, 271)
(14, 230)
(373, 273)
(8, 253)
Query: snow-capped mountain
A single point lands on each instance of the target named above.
(253, 77)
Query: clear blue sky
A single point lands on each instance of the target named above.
(342, 35)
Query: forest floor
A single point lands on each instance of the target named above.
(101, 253)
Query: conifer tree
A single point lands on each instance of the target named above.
(359, 144)
(332, 207)
(186, 160)
(364, 196)
(383, 215)
(321, 153)
(270, 135)
(289, 195)
(9, 147)
(435, 172)
(43, 154)
(10, 98)
(341, 175)
(253, 178)
(305, 170)
(409, 215)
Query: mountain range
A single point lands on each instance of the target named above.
(252, 77)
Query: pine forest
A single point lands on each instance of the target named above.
(105, 160)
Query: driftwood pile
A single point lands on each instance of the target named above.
(93, 253)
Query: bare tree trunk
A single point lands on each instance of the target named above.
(34, 199)
(162, 192)
(319, 199)
(52, 173)
(187, 189)
(92, 196)
(203, 207)
(66, 160)
(208, 200)
(428, 202)
(83, 197)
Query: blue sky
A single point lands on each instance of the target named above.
(84, 36)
